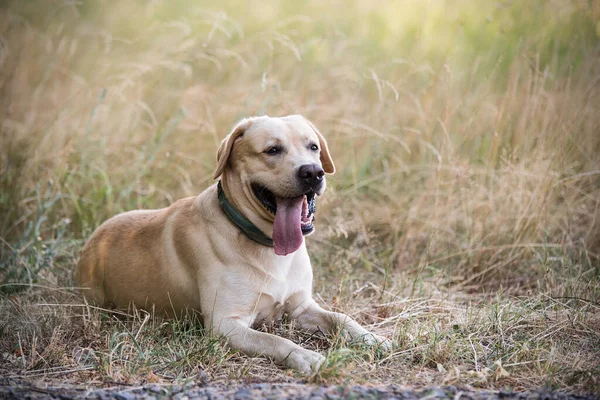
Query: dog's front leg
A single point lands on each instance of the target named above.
(241, 337)
(313, 318)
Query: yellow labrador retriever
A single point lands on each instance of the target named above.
(236, 252)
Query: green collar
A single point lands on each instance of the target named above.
(242, 222)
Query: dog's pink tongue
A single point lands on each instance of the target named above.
(287, 232)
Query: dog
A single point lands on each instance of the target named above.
(236, 253)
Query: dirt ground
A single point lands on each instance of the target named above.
(21, 389)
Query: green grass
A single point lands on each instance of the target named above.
(463, 221)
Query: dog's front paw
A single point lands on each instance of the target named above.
(305, 361)
(381, 343)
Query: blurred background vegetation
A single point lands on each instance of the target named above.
(466, 136)
(456, 125)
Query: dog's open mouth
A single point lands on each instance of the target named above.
(294, 217)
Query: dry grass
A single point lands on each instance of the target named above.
(463, 221)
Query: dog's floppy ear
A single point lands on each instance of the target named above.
(226, 145)
(326, 160)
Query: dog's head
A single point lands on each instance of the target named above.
(282, 162)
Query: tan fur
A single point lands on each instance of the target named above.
(191, 256)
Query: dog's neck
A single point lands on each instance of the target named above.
(245, 225)
(242, 198)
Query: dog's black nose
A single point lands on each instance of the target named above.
(311, 174)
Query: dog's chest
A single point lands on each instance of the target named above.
(278, 292)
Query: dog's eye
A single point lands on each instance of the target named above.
(274, 150)
(314, 147)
